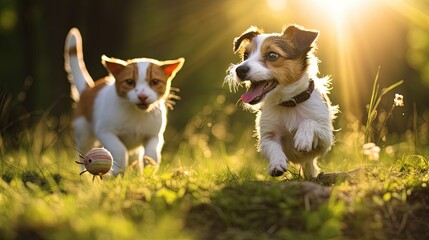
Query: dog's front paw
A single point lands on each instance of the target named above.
(277, 168)
(305, 143)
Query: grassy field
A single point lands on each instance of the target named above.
(207, 189)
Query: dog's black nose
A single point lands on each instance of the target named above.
(242, 71)
(277, 173)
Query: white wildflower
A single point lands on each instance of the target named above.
(372, 151)
(399, 100)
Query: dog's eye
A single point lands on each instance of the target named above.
(154, 82)
(130, 82)
(245, 56)
(272, 56)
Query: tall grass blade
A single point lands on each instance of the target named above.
(374, 102)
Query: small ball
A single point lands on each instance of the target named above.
(98, 161)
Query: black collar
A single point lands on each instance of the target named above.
(302, 97)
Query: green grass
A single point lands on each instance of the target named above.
(214, 189)
(227, 195)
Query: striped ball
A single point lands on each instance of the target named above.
(98, 161)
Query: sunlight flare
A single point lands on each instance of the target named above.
(340, 9)
(277, 5)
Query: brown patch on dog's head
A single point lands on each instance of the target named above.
(287, 55)
(246, 36)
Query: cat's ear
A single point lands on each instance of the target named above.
(171, 67)
(114, 65)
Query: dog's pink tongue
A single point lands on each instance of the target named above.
(255, 90)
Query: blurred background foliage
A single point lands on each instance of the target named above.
(356, 37)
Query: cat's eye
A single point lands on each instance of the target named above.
(130, 82)
(272, 56)
(154, 82)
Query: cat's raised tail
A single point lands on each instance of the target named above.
(75, 66)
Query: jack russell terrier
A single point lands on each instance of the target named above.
(294, 114)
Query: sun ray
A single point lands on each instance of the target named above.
(346, 69)
(411, 11)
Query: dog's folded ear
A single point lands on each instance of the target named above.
(248, 35)
(171, 67)
(302, 38)
(113, 65)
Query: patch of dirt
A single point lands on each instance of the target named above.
(329, 179)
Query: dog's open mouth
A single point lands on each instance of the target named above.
(257, 91)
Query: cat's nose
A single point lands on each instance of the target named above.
(142, 97)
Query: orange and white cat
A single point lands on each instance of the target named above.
(125, 110)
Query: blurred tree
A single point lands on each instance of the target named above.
(32, 34)
(32, 49)
(418, 49)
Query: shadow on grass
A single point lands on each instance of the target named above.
(46, 183)
(361, 204)
(266, 210)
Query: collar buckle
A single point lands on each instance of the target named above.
(302, 97)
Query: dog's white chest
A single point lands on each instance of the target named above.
(285, 120)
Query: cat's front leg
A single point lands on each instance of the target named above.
(153, 148)
(118, 150)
